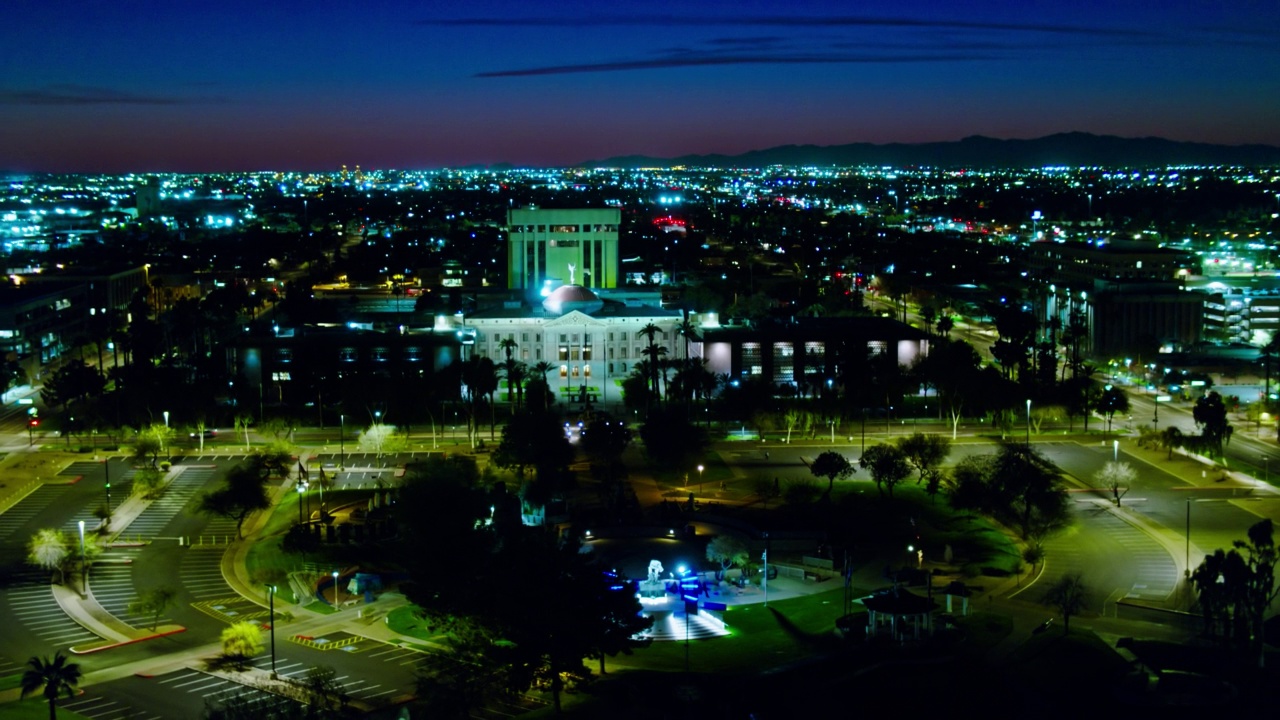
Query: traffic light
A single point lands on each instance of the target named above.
(33, 422)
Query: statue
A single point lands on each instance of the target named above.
(655, 570)
(653, 588)
(572, 267)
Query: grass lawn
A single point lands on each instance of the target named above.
(786, 631)
(1054, 663)
(405, 621)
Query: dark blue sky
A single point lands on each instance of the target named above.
(276, 84)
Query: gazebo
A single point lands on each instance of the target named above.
(900, 610)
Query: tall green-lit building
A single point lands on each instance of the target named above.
(548, 248)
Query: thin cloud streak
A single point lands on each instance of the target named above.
(706, 61)
(779, 21)
(80, 95)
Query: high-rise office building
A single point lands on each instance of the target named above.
(549, 248)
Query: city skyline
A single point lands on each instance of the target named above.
(151, 87)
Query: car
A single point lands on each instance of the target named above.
(206, 434)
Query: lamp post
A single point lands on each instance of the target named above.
(84, 572)
(271, 604)
(377, 429)
(342, 449)
(301, 489)
(1028, 422)
(764, 579)
(1115, 451)
(700, 469)
(335, 588)
(106, 480)
(1266, 469)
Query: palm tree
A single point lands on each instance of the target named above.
(508, 346)
(57, 677)
(653, 352)
(689, 332)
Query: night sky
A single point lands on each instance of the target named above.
(275, 84)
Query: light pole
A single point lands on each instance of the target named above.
(106, 475)
(84, 572)
(1115, 451)
(335, 588)
(342, 450)
(764, 579)
(700, 468)
(1028, 422)
(377, 429)
(166, 419)
(271, 603)
(1266, 469)
(301, 489)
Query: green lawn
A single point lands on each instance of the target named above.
(1055, 663)
(786, 631)
(405, 621)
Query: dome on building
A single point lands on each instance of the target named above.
(568, 298)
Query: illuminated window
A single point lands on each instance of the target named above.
(564, 371)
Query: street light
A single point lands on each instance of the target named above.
(1028, 422)
(1115, 450)
(166, 419)
(1266, 469)
(342, 450)
(106, 475)
(84, 572)
(700, 469)
(302, 488)
(271, 602)
(335, 588)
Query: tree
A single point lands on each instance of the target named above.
(244, 492)
(536, 439)
(53, 678)
(887, 465)
(953, 368)
(381, 438)
(653, 353)
(150, 444)
(1237, 587)
(48, 549)
(153, 602)
(1116, 477)
(71, 382)
(671, 441)
(1067, 595)
(727, 550)
(1113, 400)
(1210, 415)
(241, 642)
(832, 466)
(472, 667)
(147, 482)
(924, 452)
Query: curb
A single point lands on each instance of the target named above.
(111, 645)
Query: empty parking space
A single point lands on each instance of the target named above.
(200, 573)
(31, 605)
(15, 518)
